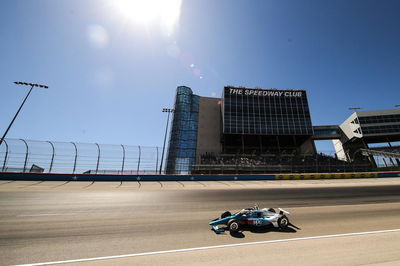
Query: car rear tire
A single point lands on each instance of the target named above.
(226, 214)
(233, 226)
(283, 222)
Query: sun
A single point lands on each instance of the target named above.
(146, 12)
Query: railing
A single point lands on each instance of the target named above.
(286, 168)
(20, 155)
(382, 153)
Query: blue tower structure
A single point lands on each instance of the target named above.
(183, 136)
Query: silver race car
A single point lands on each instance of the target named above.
(253, 216)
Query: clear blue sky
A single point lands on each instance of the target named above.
(110, 75)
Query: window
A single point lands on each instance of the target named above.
(266, 114)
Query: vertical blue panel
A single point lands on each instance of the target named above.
(183, 138)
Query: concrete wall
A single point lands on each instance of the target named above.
(340, 153)
(209, 127)
(348, 129)
(144, 178)
(308, 147)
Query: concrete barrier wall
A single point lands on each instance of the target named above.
(89, 177)
(326, 176)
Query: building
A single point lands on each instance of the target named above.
(242, 121)
(263, 128)
(363, 129)
(257, 121)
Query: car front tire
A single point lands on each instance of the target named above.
(233, 226)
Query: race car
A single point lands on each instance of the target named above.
(253, 216)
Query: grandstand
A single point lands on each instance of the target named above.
(261, 164)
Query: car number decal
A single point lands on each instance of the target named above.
(257, 222)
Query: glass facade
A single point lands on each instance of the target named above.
(326, 132)
(378, 124)
(379, 119)
(266, 112)
(382, 129)
(183, 137)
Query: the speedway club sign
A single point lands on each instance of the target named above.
(264, 93)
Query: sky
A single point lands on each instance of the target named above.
(112, 66)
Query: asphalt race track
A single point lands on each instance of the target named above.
(58, 221)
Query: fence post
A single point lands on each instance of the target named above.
(98, 158)
(76, 156)
(157, 160)
(123, 159)
(329, 165)
(5, 156)
(52, 157)
(138, 165)
(26, 155)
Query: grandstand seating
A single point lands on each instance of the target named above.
(270, 163)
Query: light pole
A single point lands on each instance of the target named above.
(22, 104)
(165, 110)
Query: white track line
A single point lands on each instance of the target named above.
(45, 214)
(212, 247)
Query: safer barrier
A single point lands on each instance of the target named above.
(326, 176)
(98, 177)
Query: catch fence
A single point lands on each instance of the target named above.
(20, 155)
